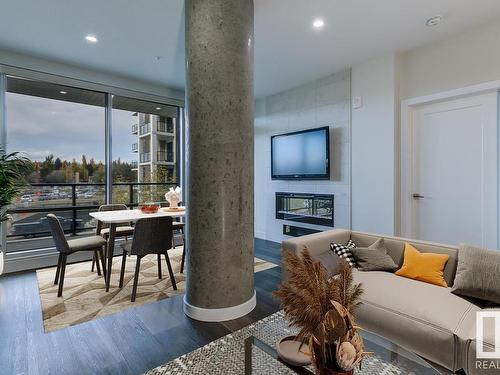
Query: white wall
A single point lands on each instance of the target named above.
(374, 129)
(318, 103)
(466, 59)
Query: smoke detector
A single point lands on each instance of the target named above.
(434, 21)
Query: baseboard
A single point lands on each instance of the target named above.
(222, 314)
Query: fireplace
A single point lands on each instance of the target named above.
(305, 208)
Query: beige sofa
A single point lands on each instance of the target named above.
(426, 319)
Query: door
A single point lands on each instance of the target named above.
(454, 171)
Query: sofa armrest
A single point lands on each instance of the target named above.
(317, 243)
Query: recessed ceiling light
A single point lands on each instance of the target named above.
(318, 23)
(63, 92)
(158, 108)
(91, 38)
(434, 21)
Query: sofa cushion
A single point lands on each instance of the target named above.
(476, 266)
(330, 261)
(420, 317)
(374, 258)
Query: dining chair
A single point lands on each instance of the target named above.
(178, 226)
(151, 236)
(66, 247)
(122, 230)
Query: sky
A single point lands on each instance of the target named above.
(40, 126)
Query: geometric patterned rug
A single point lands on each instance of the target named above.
(227, 355)
(85, 298)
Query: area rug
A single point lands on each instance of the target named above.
(85, 297)
(227, 355)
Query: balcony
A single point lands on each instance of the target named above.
(135, 128)
(164, 127)
(134, 164)
(145, 157)
(165, 156)
(145, 129)
(135, 147)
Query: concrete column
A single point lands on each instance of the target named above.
(219, 150)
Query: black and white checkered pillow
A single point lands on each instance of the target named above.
(344, 251)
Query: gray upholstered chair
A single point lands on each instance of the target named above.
(66, 247)
(122, 230)
(151, 236)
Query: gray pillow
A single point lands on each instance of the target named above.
(478, 273)
(330, 261)
(374, 257)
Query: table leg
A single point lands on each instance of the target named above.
(109, 253)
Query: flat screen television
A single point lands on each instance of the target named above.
(302, 155)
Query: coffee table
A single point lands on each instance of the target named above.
(251, 350)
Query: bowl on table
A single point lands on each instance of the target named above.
(149, 208)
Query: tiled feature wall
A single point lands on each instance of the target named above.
(325, 102)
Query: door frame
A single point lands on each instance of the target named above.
(408, 110)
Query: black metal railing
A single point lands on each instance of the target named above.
(135, 147)
(145, 129)
(164, 127)
(72, 202)
(145, 157)
(167, 156)
(135, 128)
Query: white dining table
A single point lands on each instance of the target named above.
(112, 218)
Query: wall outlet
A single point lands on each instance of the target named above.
(357, 102)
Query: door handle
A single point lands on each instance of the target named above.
(417, 196)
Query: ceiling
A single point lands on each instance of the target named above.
(145, 39)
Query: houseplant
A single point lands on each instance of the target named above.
(322, 307)
(13, 171)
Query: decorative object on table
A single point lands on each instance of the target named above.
(292, 352)
(174, 197)
(14, 169)
(322, 307)
(344, 251)
(149, 208)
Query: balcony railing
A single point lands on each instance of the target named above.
(145, 129)
(166, 156)
(135, 127)
(135, 147)
(145, 157)
(72, 203)
(164, 127)
(134, 164)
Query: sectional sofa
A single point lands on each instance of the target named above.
(426, 319)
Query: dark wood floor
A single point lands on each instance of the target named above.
(129, 342)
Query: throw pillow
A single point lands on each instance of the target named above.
(344, 251)
(477, 274)
(426, 267)
(330, 261)
(374, 257)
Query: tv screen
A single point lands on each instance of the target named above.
(301, 155)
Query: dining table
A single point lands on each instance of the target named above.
(113, 218)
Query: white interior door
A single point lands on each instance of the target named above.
(454, 171)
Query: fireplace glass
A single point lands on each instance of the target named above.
(305, 208)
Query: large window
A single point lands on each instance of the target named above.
(63, 131)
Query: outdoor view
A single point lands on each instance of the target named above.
(62, 130)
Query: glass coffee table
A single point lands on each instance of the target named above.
(388, 358)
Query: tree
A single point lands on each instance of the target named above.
(58, 164)
(47, 166)
(84, 172)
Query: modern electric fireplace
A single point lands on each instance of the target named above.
(305, 208)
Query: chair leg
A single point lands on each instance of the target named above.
(103, 261)
(96, 261)
(183, 251)
(93, 264)
(58, 270)
(122, 271)
(136, 278)
(63, 271)
(159, 266)
(171, 273)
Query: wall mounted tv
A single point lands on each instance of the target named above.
(302, 155)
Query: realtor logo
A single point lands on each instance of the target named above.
(487, 321)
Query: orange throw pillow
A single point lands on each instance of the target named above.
(426, 267)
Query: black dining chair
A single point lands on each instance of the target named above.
(151, 236)
(122, 230)
(66, 247)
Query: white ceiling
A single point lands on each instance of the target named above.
(288, 51)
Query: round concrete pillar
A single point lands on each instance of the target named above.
(219, 159)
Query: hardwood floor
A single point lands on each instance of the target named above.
(129, 342)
